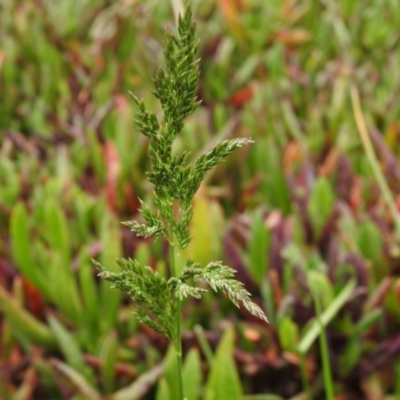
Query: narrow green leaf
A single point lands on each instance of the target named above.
(108, 357)
(321, 286)
(111, 241)
(10, 185)
(203, 343)
(96, 157)
(77, 379)
(258, 248)
(162, 390)
(201, 248)
(314, 329)
(288, 333)
(68, 345)
(320, 204)
(64, 287)
(24, 321)
(266, 155)
(370, 241)
(141, 386)
(223, 382)
(350, 355)
(192, 375)
(367, 321)
(57, 229)
(21, 245)
(88, 290)
(170, 369)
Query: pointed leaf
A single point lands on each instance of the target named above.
(24, 321)
(314, 329)
(223, 382)
(170, 369)
(320, 204)
(21, 245)
(163, 390)
(68, 345)
(77, 379)
(108, 357)
(258, 248)
(141, 386)
(192, 375)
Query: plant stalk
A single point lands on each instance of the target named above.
(304, 377)
(372, 158)
(177, 340)
(397, 379)
(326, 369)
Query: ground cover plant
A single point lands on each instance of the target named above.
(308, 214)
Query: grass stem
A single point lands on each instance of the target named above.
(326, 368)
(304, 378)
(177, 341)
(372, 158)
(397, 380)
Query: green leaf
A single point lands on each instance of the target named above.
(57, 229)
(64, 288)
(88, 290)
(258, 248)
(288, 333)
(205, 229)
(223, 382)
(68, 345)
(351, 355)
(21, 245)
(321, 286)
(367, 321)
(77, 379)
(162, 390)
(370, 241)
(314, 328)
(96, 157)
(9, 183)
(25, 322)
(170, 377)
(192, 375)
(108, 358)
(294, 255)
(110, 299)
(320, 204)
(266, 156)
(142, 384)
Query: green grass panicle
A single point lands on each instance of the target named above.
(175, 182)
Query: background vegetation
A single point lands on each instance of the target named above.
(308, 215)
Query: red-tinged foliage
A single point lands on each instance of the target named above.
(34, 300)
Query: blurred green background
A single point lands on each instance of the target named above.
(308, 211)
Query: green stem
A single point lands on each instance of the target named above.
(304, 378)
(326, 368)
(177, 340)
(397, 380)
(204, 345)
(372, 158)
